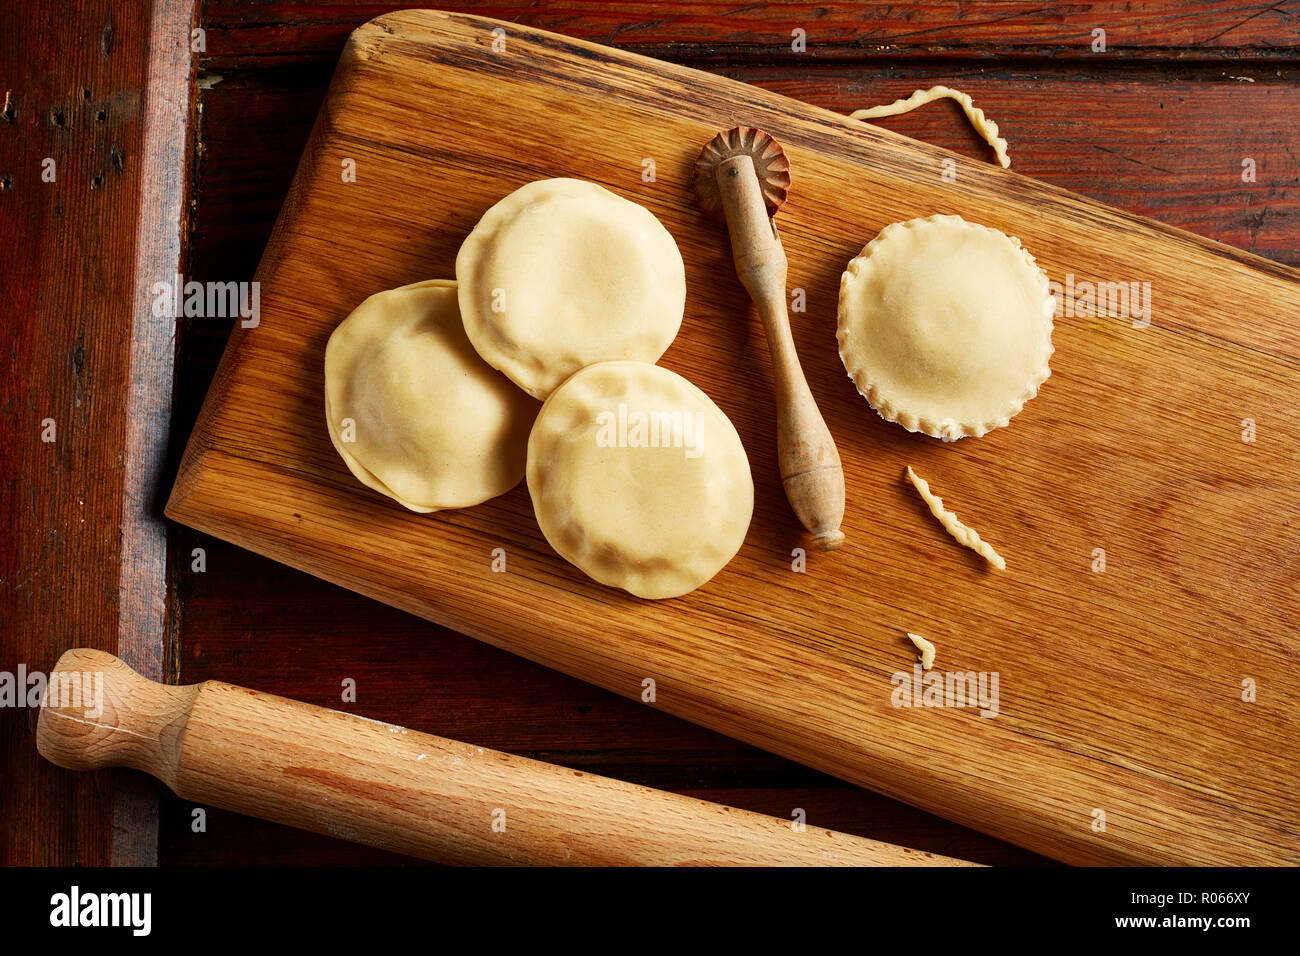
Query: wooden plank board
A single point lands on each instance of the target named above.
(237, 619)
(1120, 692)
(1260, 30)
(92, 196)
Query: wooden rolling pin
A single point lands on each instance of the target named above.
(388, 787)
(742, 177)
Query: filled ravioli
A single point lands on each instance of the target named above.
(639, 479)
(945, 326)
(414, 411)
(563, 273)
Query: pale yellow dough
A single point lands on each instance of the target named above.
(925, 647)
(965, 536)
(983, 125)
(945, 326)
(563, 273)
(639, 479)
(432, 425)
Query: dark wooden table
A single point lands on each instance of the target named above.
(172, 152)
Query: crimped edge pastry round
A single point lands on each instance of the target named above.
(631, 308)
(648, 518)
(491, 457)
(967, 413)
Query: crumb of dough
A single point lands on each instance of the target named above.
(964, 535)
(983, 125)
(926, 649)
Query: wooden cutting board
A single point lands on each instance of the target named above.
(1144, 635)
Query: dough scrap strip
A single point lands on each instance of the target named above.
(983, 125)
(968, 537)
(925, 647)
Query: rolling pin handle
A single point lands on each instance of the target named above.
(97, 712)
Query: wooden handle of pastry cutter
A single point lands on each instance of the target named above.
(809, 461)
(388, 787)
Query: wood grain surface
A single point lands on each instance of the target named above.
(235, 620)
(292, 634)
(253, 31)
(93, 133)
(1121, 691)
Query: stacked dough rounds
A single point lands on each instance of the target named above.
(636, 476)
(639, 479)
(946, 326)
(563, 273)
(413, 410)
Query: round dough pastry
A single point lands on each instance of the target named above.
(432, 425)
(946, 326)
(639, 479)
(563, 273)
